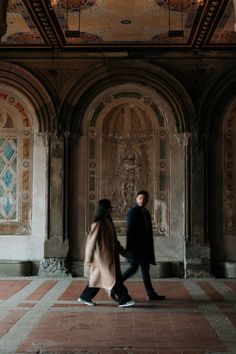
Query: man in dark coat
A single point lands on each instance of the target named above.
(139, 246)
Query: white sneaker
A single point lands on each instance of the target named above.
(84, 302)
(128, 303)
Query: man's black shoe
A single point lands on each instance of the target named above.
(155, 297)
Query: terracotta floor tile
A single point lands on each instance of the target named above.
(145, 329)
(9, 288)
(211, 292)
(10, 320)
(42, 290)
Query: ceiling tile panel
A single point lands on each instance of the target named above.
(21, 30)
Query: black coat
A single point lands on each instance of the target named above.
(139, 235)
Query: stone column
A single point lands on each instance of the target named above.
(197, 243)
(3, 17)
(56, 244)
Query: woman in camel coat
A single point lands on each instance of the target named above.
(102, 258)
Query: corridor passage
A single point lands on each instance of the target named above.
(42, 315)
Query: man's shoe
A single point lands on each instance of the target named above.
(85, 302)
(128, 303)
(155, 297)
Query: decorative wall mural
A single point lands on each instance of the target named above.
(128, 151)
(229, 175)
(15, 166)
(127, 142)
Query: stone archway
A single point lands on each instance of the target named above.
(222, 192)
(219, 131)
(128, 142)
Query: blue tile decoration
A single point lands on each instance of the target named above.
(7, 204)
(7, 178)
(8, 165)
(8, 151)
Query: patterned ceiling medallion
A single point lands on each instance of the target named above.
(177, 5)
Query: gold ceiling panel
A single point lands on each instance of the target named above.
(224, 33)
(126, 21)
(21, 29)
(65, 24)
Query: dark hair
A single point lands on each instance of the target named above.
(101, 209)
(143, 193)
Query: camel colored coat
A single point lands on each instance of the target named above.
(100, 254)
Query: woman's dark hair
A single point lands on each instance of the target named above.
(102, 209)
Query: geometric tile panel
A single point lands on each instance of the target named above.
(8, 179)
(15, 166)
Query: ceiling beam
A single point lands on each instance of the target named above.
(210, 18)
(45, 19)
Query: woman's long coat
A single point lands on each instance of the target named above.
(100, 254)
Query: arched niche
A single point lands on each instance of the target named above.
(218, 128)
(222, 193)
(129, 141)
(26, 110)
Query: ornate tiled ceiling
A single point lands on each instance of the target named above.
(65, 24)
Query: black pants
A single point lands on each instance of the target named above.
(121, 291)
(145, 267)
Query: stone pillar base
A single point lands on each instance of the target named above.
(198, 263)
(198, 268)
(54, 267)
(224, 269)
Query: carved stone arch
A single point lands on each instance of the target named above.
(32, 88)
(215, 101)
(128, 141)
(78, 94)
(219, 110)
(26, 157)
(130, 124)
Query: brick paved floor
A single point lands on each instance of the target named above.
(40, 315)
